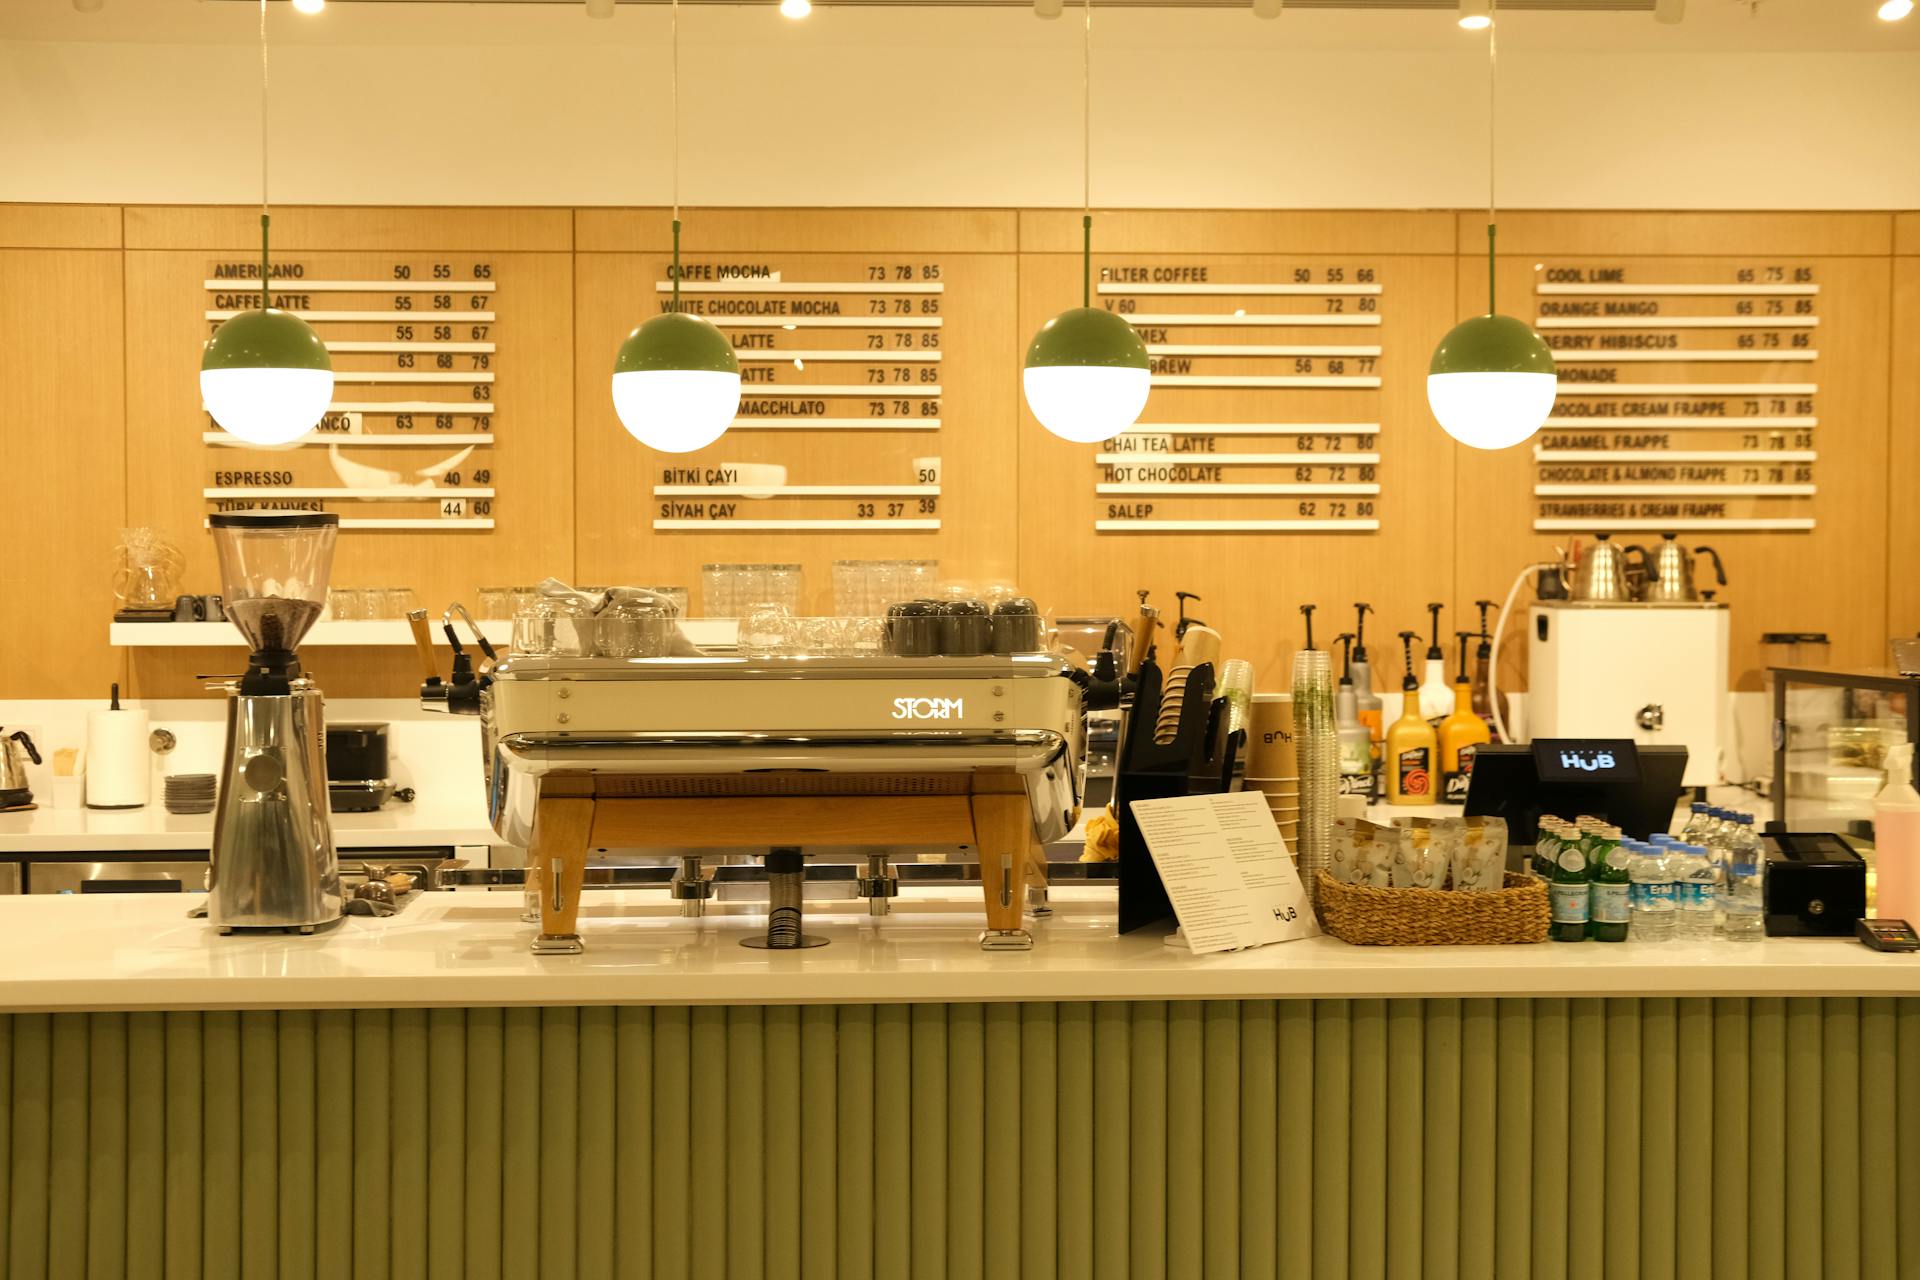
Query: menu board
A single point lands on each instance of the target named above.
(1688, 396)
(1266, 389)
(840, 348)
(407, 441)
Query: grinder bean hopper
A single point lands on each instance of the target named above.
(273, 861)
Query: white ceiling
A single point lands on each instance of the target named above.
(1710, 25)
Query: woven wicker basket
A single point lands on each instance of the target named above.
(1366, 916)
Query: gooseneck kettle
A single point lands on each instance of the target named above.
(1605, 574)
(1672, 577)
(16, 749)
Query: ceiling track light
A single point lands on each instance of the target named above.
(1894, 10)
(676, 379)
(309, 6)
(1476, 15)
(1669, 12)
(1268, 8)
(1492, 380)
(1087, 373)
(265, 376)
(795, 8)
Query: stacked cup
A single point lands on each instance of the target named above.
(1316, 739)
(1273, 764)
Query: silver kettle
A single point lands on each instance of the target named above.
(16, 749)
(1605, 572)
(1672, 575)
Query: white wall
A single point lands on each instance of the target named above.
(156, 100)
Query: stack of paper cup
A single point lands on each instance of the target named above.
(1316, 747)
(1273, 763)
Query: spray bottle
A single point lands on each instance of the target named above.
(1896, 840)
(1436, 699)
(1412, 745)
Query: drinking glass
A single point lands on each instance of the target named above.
(496, 603)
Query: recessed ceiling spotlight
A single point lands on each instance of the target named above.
(1475, 15)
(1669, 12)
(309, 6)
(1268, 8)
(1894, 10)
(599, 8)
(795, 8)
(1047, 8)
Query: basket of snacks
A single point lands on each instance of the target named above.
(1429, 882)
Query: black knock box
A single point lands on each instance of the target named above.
(1816, 886)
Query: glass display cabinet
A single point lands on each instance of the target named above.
(1831, 733)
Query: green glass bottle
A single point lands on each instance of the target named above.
(1609, 906)
(1568, 889)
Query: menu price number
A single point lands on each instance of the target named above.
(1337, 474)
(462, 508)
(1772, 307)
(1802, 474)
(443, 333)
(1773, 275)
(440, 301)
(1335, 510)
(902, 409)
(1770, 339)
(482, 475)
(902, 339)
(902, 306)
(1321, 444)
(444, 271)
(441, 421)
(900, 373)
(904, 271)
(894, 510)
(1334, 275)
(1336, 306)
(1777, 440)
(1776, 405)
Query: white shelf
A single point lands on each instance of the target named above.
(706, 632)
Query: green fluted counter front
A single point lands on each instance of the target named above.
(1661, 1137)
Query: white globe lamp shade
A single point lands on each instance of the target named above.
(265, 376)
(676, 410)
(1086, 403)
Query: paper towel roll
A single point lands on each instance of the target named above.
(119, 762)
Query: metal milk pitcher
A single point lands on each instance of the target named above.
(1671, 578)
(1605, 572)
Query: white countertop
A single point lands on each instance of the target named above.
(140, 951)
(153, 830)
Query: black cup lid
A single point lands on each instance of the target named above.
(273, 520)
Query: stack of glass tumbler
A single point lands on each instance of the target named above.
(1316, 739)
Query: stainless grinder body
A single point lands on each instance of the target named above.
(273, 861)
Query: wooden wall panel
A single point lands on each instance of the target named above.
(304, 228)
(59, 226)
(1778, 581)
(530, 463)
(62, 469)
(974, 444)
(1252, 583)
(1903, 465)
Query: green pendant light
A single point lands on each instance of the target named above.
(676, 381)
(1492, 380)
(265, 376)
(1087, 373)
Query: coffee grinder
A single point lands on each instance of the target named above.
(273, 863)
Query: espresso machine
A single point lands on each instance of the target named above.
(273, 863)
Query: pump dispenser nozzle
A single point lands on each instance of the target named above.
(1306, 611)
(1433, 643)
(1464, 637)
(1407, 638)
(1346, 660)
(1360, 611)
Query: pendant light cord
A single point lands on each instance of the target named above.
(676, 155)
(1493, 115)
(1086, 160)
(265, 297)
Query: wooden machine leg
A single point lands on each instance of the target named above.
(1004, 831)
(561, 826)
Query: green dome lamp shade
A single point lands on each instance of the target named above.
(1492, 380)
(676, 380)
(676, 383)
(265, 376)
(1087, 373)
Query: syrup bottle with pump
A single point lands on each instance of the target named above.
(1366, 701)
(1412, 745)
(1436, 699)
(1462, 734)
(1356, 744)
(1483, 667)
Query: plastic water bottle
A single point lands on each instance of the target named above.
(1653, 900)
(1742, 897)
(1690, 833)
(1696, 875)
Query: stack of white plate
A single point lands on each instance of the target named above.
(189, 793)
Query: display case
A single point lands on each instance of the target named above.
(1831, 733)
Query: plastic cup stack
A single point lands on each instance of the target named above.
(1316, 740)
